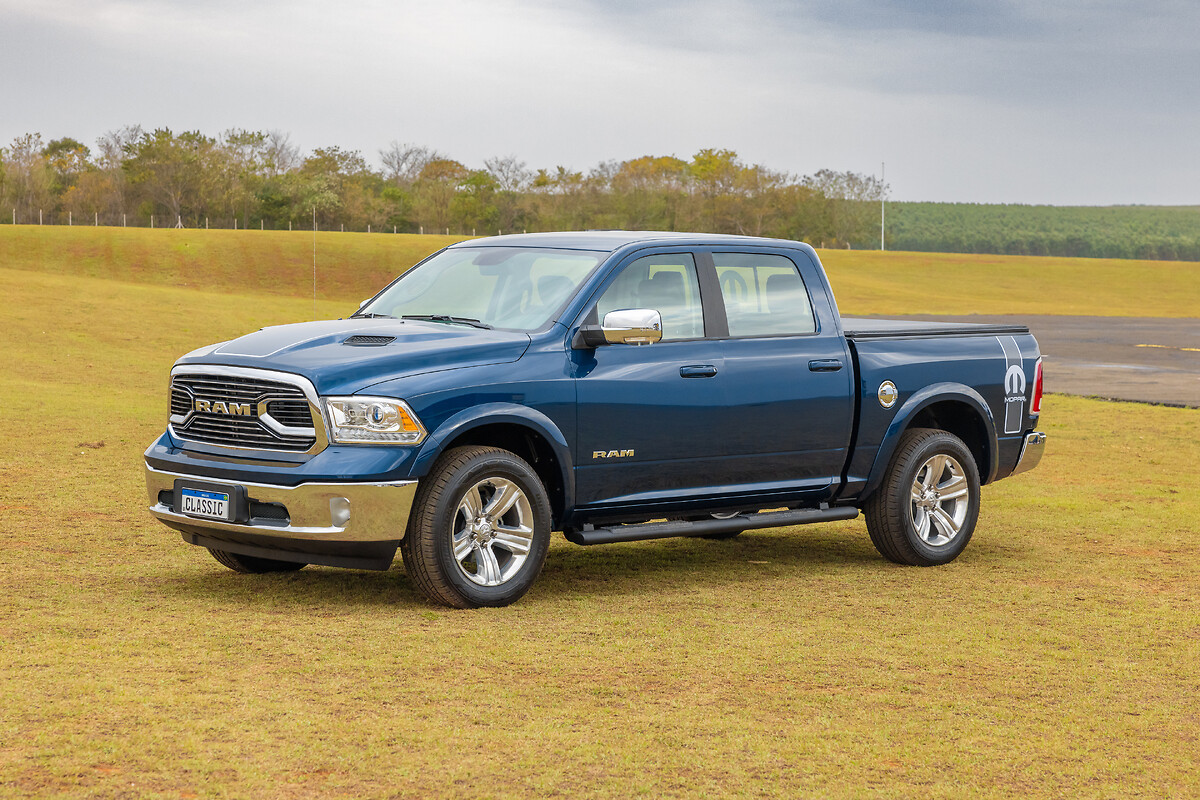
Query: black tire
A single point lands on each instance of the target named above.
(920, 518)
(490, 569)
(253, 565)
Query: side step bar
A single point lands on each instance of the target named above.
(702, 527)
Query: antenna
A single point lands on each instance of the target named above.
(882, 198)
(314, 262)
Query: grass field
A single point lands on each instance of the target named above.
(1058, 657)
(353, 266)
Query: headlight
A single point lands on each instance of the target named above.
(373, 420)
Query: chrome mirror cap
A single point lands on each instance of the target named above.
(632, 326)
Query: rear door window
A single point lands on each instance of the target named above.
(764, 295)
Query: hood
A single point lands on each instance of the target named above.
(325, 352)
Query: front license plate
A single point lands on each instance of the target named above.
(204, 503)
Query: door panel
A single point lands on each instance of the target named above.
(765, 414)
(789, 379)
(647, 414)
(647, 423)
(792, 422)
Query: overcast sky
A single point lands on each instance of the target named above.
(1018, 101)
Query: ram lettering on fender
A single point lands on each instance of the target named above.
(612, 454)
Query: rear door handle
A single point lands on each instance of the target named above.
(825, 365)
(698, 371)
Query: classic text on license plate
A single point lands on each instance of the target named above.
(203, 503)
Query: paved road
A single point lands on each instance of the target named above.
(1148, 359)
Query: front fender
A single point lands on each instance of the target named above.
(936, 393)
(498, 413)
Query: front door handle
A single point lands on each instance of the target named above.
(825, 365)
(698, 371)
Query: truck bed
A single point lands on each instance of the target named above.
(873, 328)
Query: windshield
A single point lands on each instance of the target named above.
(520, 288)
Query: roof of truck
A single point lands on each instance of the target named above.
(609, 240)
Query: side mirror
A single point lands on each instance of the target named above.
(625, 326)
(364, 302)
(632, 326)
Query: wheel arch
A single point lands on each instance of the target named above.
(519, 429)
(954, 408)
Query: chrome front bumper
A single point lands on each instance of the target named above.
(328, 512)
(1031, 452)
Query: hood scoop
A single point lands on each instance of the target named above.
(365, 340)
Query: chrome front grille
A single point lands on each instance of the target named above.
(181, 401)
(232, 407)
(293, 413)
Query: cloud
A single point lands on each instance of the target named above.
(1088, 101)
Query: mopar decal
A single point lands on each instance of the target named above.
(1014, 385)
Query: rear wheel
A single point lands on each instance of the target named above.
(479, 530)
(252, 564)
(926, 509)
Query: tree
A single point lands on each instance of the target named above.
(760, 192)
(512, 180)
(172, 173)
(279, 154)
(27, 178)
(474, 206)
(403, 163)
(345, 174)
(850, 200)
(67, 159)
(435, 188)
(648, 191)
(113, 148)
(245, 158)
(560, 198)
(715, 174)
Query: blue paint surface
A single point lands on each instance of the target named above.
(678, 427)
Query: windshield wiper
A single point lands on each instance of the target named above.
(371, 315)
(474, 323)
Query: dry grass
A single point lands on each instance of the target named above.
(353, 266)
(350, 266)
(871, 282)
(1058, 657)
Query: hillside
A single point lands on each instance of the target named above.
(353, 266)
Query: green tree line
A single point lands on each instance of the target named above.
(260, 179)
(1146, 232)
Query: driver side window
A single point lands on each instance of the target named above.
(665, 283)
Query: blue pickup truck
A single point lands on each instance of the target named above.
(611, 385)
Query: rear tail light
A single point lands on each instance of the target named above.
(1036, 406)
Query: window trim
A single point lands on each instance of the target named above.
(716, 324)
(718, 306)
(592, 315)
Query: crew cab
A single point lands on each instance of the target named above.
(611, 385)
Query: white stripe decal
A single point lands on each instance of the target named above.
(1014, 385)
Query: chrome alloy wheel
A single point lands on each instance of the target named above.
(493, 531)
(939, 500)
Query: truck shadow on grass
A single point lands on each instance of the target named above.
(622, 569)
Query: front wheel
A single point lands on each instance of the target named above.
(479, 530)
(925, 511)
